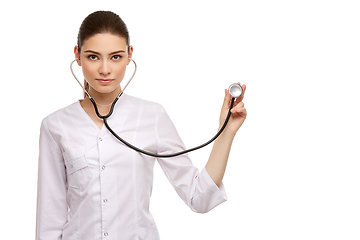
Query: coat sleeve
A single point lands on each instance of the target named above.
(197, 190)
(52, 207)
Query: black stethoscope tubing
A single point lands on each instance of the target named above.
(154, 154)
(237, 92)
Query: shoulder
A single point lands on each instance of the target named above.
(62, 113)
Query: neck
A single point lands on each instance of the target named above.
(104, 99)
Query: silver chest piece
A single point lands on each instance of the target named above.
(235, 90)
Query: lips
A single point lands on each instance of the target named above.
(104, 81)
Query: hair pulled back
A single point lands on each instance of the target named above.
(101, 22)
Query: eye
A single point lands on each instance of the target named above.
(116, 57)
(93, 57)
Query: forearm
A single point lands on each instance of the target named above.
(216, 164)
(219, 155)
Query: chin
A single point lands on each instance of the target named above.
(107, 89)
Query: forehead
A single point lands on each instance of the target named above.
(105, 43)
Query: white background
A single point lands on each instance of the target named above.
(294, 168)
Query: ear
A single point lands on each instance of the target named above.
(77, 55)
(131, 49)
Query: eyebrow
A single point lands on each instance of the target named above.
(92, 51)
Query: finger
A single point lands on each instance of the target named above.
(239, 99)
(227, 100)
(240, 112)
(238, 106)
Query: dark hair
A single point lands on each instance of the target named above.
(101, 22)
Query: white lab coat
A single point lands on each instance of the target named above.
(93, 187)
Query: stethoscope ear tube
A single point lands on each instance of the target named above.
(72, 71)
(92, 100)
(173, 154)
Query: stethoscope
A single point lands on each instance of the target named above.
(235, 91)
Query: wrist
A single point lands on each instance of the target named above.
(228, 133)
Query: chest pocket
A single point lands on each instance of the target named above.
(77, 167)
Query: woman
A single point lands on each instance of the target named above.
(91, 186)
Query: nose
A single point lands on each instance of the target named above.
(104, 68)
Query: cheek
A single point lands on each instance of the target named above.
(87, 70)
(120, 71)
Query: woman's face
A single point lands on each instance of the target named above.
(104, 58)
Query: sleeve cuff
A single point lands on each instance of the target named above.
(212, 195)
(220, 190)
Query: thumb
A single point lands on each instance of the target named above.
(227, 100)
